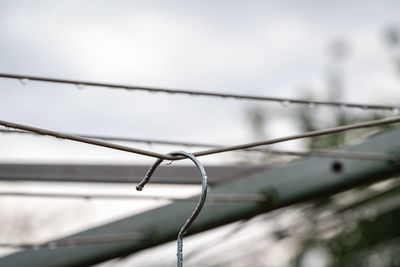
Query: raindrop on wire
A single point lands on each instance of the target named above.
(311, 105)
(80, 86)
(395, 111)
(36, 247)
(285, 103)
(24, 81)
(342, 107)
(168, 162)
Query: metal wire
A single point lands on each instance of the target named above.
(332, 154)
(283, 101)
(124, 139)
(299, 136)
(85, 140)
(199, 206)
(312, 153)
(204, 152)
(211, 197)
(79, 241)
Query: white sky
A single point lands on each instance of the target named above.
(271, 48)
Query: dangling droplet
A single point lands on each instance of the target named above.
(343, 106)
(364, 107)
(311, 105)
(36, 247)
(24, 81)
(80, 86)
(52, 245)
(168, 162)
(285, 103)
(395, 111)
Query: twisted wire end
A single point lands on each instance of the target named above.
(139, 188)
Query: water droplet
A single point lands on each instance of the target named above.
(285, 103)
(24, 81)
(364, 107)
(80, 86)
(168, 162)
(395, 111)
(52, 245)
(36, 247)
(311, 105)
(343, 106)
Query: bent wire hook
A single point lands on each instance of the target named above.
(199, 205)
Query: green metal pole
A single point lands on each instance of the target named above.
(297, 181)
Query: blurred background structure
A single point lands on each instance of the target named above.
(342, 51)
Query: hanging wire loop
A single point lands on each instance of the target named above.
(199, 205)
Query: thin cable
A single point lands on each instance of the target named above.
(332, 154)
(299, 136)
(283, 101)
(80, 241)
(309, 153)
(85, 140)
(125, 139)
(204, 152)
(210, 197)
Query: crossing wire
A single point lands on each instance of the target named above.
(313, 153)
(203, 152)
(284, 101)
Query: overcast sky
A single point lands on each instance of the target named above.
(272, 48)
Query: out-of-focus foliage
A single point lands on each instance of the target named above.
(366, 232)
(370, 239)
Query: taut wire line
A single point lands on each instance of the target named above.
(299, 136)
(283, 101)
(308, 153)
(80, 139)
(227, 197)
(80, 240)
(203, 152)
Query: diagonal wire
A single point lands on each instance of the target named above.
(211, 198)
(309, 153)
(85, 140)
(125, 139)
(211, 151)
(79, 241)
(283, 101)
(299, 136)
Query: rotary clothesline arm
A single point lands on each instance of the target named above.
(297, 181)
